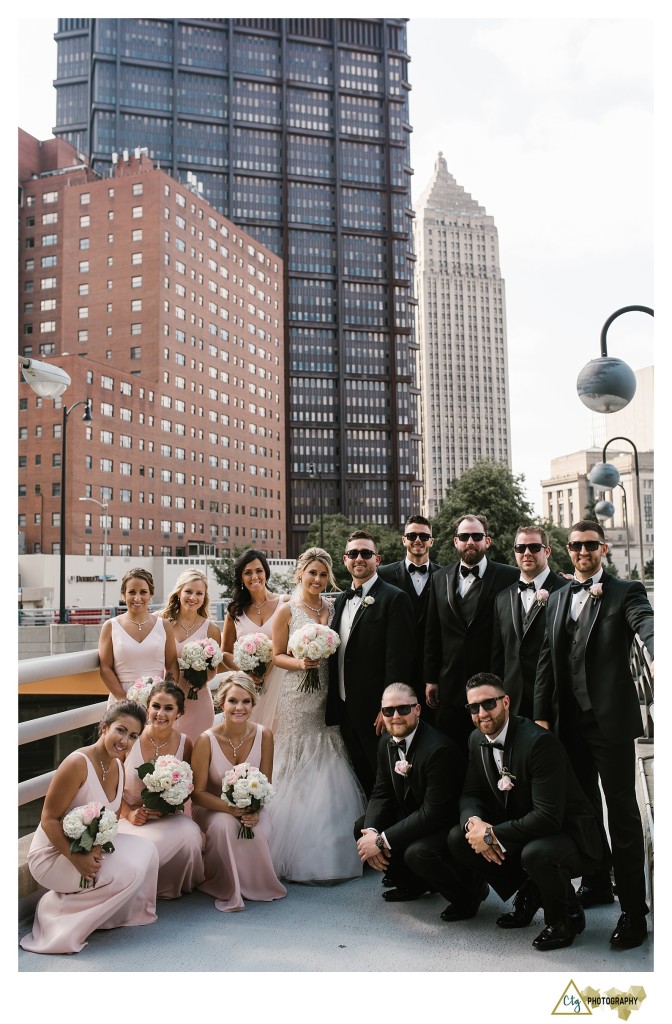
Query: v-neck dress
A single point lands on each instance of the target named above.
(199, 714)
(265, 711)
(125, 890)
(133, 659)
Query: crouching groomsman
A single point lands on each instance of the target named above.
(525, 823)
(414, 804)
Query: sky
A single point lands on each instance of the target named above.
(548, 123)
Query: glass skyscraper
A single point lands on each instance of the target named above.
(298, 130)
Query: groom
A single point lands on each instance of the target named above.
(375, 623)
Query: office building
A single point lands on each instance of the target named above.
(298, 130)
(462, 335)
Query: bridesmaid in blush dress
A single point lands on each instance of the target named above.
(177, 838)
(187, 612)
(234, 868)
(252, 609)
(135, 643)
(122, 889)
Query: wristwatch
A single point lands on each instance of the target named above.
(487, 836)
(380, 843)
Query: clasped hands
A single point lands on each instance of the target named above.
(89, 864)
(474, 835)
(369, 853)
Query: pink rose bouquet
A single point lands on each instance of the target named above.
(313, 641)
(88, 826)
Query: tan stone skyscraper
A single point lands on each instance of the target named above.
(462, 335)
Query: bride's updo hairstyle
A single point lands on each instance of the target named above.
(315, 555)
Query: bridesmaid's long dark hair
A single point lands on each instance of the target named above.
(240, 595)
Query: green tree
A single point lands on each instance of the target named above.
(558, 559)
(648, 569)
(488, 488)
(336, 529)
(222, 569)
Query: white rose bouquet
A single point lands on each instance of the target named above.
(168, 782)
(197, 657)
(247, 787)
(312, 641)
(87, 826)
(140, 690)
(252, 652)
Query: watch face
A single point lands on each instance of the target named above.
(487, 837)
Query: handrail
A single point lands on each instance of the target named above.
(35, 670)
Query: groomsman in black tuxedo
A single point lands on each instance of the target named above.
(375, 623)
(414, 804)
(520, 618)
(585, 692)
(412, 574)
(524, 814)
(458, 635)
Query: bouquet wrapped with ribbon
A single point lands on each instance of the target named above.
(197, 657)
(246, 787)
(253, 652)
(87, 826)
(313, 641)
(167, 783)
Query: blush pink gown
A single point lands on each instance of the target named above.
(133, 659)
(235, 868)
(177, 838)
(265, 711)
(124, 895)
(199, 714)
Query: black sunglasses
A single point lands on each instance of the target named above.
(487, 705)
(402, 709)
(520, 549)
(418, 536)
(360, 553)
(589, 545)
(464, 537)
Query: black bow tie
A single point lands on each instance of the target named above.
(493, 746)
(353, 592)
(422, 569)
(399, 745)
(525, 586)
(470, 570)
(576, 586)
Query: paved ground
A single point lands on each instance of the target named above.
(347, 928)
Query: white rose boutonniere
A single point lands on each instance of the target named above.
(403, 767)
(541, 596)
(596, 591)
(506, 781)
(368, 601)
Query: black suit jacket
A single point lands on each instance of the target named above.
(379, 652)
(423, 802)
(454, 651)
(546, 797)
(613, 619)
(516, 644)
(397, 574)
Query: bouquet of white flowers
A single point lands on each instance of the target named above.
(88, 826)
(312, 641)
(168, 782)
(252, 652)
(140, 690)
(197, 657)
(245, 786)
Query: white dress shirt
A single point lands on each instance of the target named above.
(528, 596)
(419, 578)
(464, 582)
(581, 596)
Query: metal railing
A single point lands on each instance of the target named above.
(96, 616)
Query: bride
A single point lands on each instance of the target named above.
(318, 798)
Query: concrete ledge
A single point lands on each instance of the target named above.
(27, 884)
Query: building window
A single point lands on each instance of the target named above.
(136, 212)
(85, 199)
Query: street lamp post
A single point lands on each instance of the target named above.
(87, 417)
(606, 510)
(316, 474)
(603, 474)
(608, 384)
(104, 506)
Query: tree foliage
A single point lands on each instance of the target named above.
(558, 559)
(222, 570)
(336, 529)
(490, 489)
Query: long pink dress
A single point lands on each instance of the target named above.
(124, 894)
(265, 711)
(133, 658)
(235, 867)
(177, 838)
(199, 714)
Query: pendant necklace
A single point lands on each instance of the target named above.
(258, 607)
(315, 611)
(157, 748)
(103, 769)
(140, 624)
(237, 748)
(190, 629)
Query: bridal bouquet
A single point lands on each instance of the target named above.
(245, 786)
(168, 782)
(88, 826)
(197, 657)
(140, 690)
(252, 652)
(312, 641)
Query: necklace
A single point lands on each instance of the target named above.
(258, 607)
(139, 624)
(237, 748)
(103, 769)
(157, 748)
(315, 611)
(190, 629)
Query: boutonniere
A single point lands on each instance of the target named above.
(541, 597)
(403, 767)
(366, 601)
(506, 780)
(596, 591)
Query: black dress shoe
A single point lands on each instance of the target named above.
(555, 936)
(590, 896)
(630, 931)
(387, 881)
(526, 903)
(402, 895)
(463, 911)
